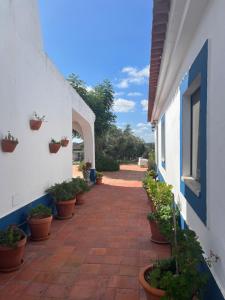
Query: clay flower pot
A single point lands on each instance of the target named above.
(156, 236)
(35, 124)
(40, 228)
(54, 147)
(65, 209)
(9, 146)
(12, 258)
(99, 180)
(151, 292)
(64, 142)
(79, 199)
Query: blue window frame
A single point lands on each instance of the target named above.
(195, 86)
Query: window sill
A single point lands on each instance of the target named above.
(192, 184)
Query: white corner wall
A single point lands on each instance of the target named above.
(29, 82)
(212, 236)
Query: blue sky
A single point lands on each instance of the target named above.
(98, 40)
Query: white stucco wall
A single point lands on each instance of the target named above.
(212, 236)
(29, 82)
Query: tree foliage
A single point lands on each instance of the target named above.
(110, 140)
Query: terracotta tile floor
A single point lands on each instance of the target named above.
(97, 254)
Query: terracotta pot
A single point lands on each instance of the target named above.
(40, 228)
(54, 148)
(64, 143)
(65, 209)
(79, 198)
(12, 258)
(156, 236)
(8, 146)
(35, 124)
(99, 180)
(151, 292)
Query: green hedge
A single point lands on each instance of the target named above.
(105, 163)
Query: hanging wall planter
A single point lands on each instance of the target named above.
(36, 121)
(9, 143)
(64, 142)
(54, 146)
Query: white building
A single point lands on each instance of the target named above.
(187, 106)
(30, 82)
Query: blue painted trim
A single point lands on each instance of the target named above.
(160, 176)
(19, 216)
(199, 66)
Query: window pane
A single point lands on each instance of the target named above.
(195, 132)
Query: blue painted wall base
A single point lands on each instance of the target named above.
(19, 216)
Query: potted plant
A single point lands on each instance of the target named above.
(99, 176)
(39, 220)
(176, 278)
(64, 141)
(9, 143)
(85, 168)
(36, 121)
(156, 235)
(64, 197)
(161, 202)
(12, 245)
(54, 146)
(82, 188)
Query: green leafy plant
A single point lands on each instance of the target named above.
(38, 118)
(81, 185)
(99, 174)
(9, 137)
(151, 160)
(81, 166)
(11, 236)
(53, 141)
(41, 211)
(179, 275)
(105, 163)
(62, 191)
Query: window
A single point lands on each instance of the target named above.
(163, 144)
(195, 136)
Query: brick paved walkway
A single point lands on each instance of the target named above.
(95, 255)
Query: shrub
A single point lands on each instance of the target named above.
(99, 174)
(105, 163)
(61, 191)
(80, 184)
(40, 211)
(11, 236)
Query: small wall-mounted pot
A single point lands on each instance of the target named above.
(9, 145)
(64, 142)
(54, 147)
(35, 124)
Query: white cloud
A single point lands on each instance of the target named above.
(123, 105)
(144, 104)
(134, 94)
(116, 94)
(144, 131)
(133, 76)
